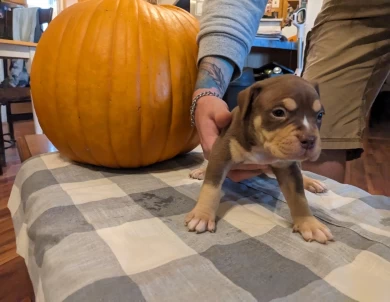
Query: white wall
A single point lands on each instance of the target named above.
(312, 9)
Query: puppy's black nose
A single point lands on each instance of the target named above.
(307, 142)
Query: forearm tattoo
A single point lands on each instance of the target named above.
(214, 72)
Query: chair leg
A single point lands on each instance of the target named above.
(10, 122)
(2, 146)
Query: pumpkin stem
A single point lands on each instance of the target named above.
(152, 1)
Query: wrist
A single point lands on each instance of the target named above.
(198, 95)
(214, 74)
(202, 90)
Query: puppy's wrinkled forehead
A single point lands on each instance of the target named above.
(292, 93)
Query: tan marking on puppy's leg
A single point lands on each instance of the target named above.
(202, 217)
(290, 104)
(291, 183)
(316, 105)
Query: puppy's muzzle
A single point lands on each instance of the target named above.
(308, 142)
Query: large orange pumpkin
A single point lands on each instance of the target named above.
(112, 82)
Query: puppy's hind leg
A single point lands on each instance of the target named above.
(313, 185)
(200, 172)
(202, 217)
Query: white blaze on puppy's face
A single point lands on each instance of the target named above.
(306, 122)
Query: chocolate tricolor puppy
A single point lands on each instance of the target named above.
(276, 122)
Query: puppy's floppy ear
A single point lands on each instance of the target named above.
(246, 97)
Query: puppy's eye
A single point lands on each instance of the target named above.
(279, 113)
(320, 116)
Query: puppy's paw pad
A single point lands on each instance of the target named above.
(312, 230)
(198, 173)
(314, 186)
(200, 221)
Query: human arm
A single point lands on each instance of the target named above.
(227, 30)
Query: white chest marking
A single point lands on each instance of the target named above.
(306, 122)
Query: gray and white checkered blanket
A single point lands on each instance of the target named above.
(92, 234)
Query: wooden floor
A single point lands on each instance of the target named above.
(371, 173)
(15, 283)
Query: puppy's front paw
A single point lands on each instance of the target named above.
(200, 221)
(313, 185)
(198, 173)
(312, 230)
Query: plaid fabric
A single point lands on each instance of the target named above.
(91, 234)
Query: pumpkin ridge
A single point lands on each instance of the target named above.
(172, 101)
(192, 84)
(145, 7)
(136, 96)
(194, 133)
(195, 27)
(59, 114)
(97, 162)
(195, 30)
(139, 89)
(185, 15)
(151, 100)
(147, 102)
(109, 128)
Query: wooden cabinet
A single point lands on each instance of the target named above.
(63, 4)
(281, 7)
(18, 2)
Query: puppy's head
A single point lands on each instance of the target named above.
(284, 115)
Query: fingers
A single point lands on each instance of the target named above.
(212, 114)
(208, 133)
(223, 119)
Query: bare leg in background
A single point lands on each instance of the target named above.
(331, 164)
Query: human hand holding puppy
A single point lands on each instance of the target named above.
(212, 113)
